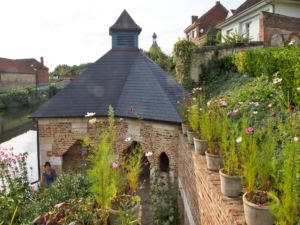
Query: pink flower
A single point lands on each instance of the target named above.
(249, 130)
(223, 104)
(115, 165)
(234, 113)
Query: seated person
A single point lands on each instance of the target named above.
(48, 175)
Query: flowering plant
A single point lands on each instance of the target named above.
(14, 182)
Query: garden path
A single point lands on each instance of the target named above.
(143, 192)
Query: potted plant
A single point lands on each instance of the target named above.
(213, 154)
(200, 142)
(287, 212)
(257, 172)
(194, 123)
(231, 184)
(184, 106)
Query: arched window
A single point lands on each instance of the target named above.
(164, 162)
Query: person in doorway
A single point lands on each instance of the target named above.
(48, 176)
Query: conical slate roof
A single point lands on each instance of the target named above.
(125, 79)
(125, 24)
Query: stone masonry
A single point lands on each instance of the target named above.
(57, 136)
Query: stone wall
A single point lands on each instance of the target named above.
(16, 80)
(203, 55)
(200, 192)
(58, 136)
(277, 29)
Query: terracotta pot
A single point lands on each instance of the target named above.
(200, 146)
(231, 186)
(190, 137)
(213, 162)
(184, 128)
(257, 214)
(114, 215)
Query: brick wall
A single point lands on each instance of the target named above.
(42, 76)
(200, 191)
(58, 136)
(277, 29)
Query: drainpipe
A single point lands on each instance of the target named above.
(38, 150)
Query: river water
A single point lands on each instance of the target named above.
(19, 132)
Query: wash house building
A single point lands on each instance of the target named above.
(144, 97)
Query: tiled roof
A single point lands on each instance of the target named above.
(20, 65)
(208, 20)
(125, 79)
(247, 4)
(125, 23)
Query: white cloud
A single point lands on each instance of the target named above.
(76, 31)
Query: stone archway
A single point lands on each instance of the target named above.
(75, 158)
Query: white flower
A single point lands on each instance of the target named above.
(298, 88)
(208, 103)
(255, 112)
(194, 99)
(149, 154)
(128, 139)
(90, 114)
(292, 42)
(92, 121)
(296, 139)
(277, 80)
(241, 103)
(256, 104)
(239, 140)
(270, 105)
(121, 119)
(235, 110)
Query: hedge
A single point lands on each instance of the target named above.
(282, 62)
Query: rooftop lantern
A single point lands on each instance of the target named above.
(125, 32)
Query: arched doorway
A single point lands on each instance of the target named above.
(75, 158)
(164, 163)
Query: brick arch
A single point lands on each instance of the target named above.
(164, 162)
(75, 158)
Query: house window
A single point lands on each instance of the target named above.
(247, 30)
(229, 32)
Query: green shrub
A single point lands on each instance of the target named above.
(283, 62)
(66, 187)
(183, 52)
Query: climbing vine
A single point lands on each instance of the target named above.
(183, 52)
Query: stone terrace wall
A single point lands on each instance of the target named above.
(57, 136)
(204, 55)
(277, 29)
(200, 192)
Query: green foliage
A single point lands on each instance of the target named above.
(25, 97)
(160, 58)
(282, 62)
(288, 211)
(231, 159)
(183, 51)
(132, 163)
(63, 70)
(194, 117)
(163, 197)
(235, 38)
(66, 187)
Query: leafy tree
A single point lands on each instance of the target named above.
(63, 70)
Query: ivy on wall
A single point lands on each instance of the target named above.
(183, 52)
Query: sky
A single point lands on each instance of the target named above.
(76, 31)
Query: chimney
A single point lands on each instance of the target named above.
(42, 60)
(218, 3)
(194, 19)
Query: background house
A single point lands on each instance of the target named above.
(204, 27)
(15, 73)
(272, 21)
